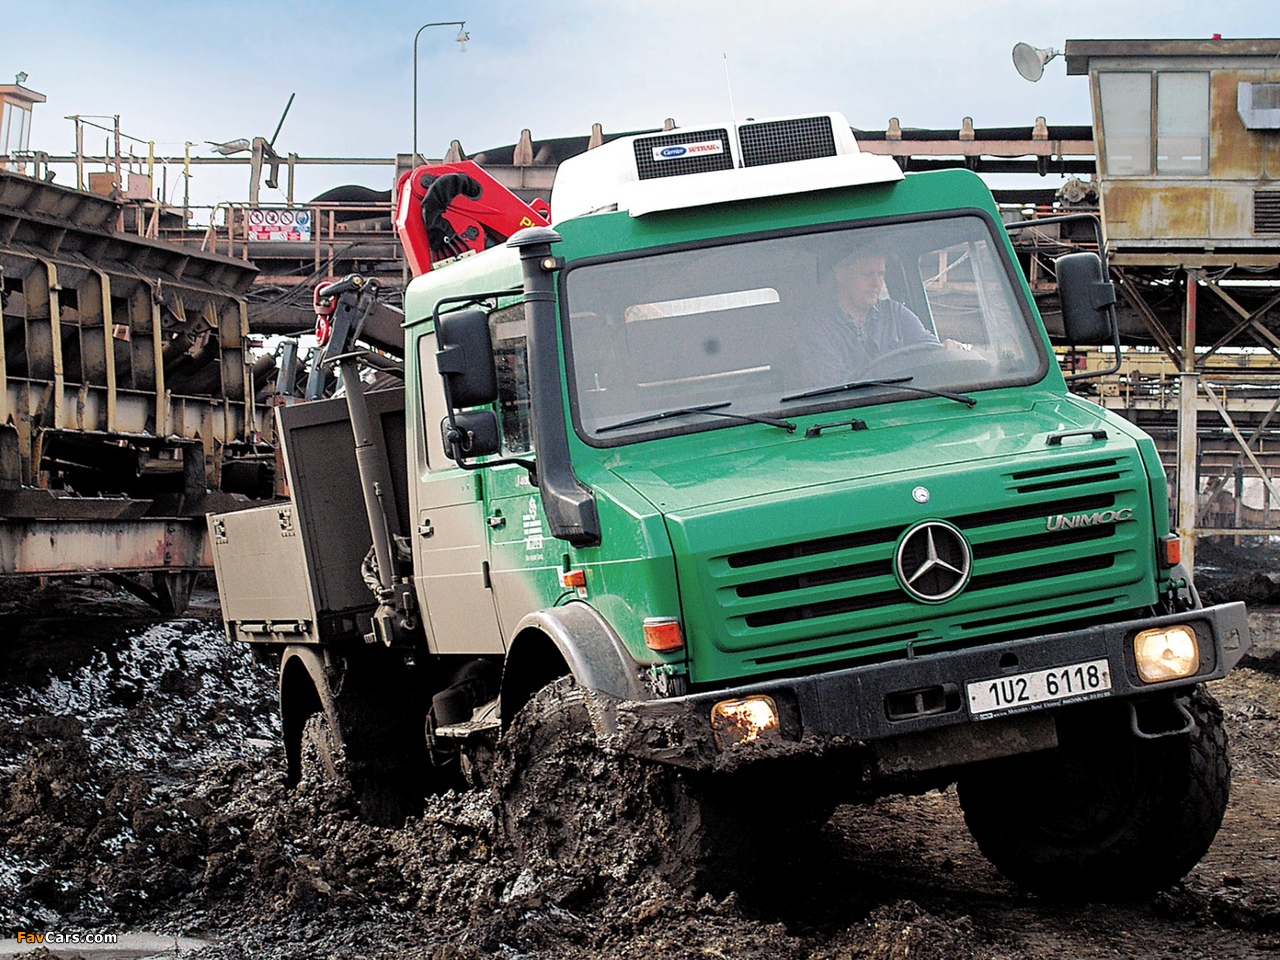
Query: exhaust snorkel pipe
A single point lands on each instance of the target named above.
(570, 506)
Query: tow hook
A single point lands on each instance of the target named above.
(1160, 718)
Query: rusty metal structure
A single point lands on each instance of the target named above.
(128, 404)
(1188, 157)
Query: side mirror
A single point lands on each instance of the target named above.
(1087, 299)
(465, 359)
(470, 434)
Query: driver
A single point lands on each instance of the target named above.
(861, 323)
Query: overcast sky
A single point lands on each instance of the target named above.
(217, 70)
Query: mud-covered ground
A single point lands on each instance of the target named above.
(141, 789)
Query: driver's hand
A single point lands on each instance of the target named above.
(957, 345)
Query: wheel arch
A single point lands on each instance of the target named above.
(303, 690)
(572, 639)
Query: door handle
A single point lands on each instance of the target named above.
(496, 520)
(425, 529)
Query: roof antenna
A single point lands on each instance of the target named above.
(733, 116)
(729, 83)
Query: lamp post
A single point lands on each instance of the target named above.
(461, 39)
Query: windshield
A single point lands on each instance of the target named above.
(772, 327)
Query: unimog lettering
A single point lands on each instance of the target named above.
(1061, 522)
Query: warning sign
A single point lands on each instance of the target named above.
(279, 224)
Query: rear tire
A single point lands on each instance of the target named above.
(363, 732)
(323, 757)
(1106, 816)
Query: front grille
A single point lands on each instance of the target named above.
(1266, 212)
(650, 164)
(781, 141)
(837, 596)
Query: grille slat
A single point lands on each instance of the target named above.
(816, 578)
(871, 601)
(1060, 468)
(1038, 541)
(813, 548)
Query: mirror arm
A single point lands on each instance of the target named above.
(1115, 343)
(1108, 298)
(458, 457)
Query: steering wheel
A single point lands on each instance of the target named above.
(901, 358)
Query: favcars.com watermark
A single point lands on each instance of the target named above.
(47, 938)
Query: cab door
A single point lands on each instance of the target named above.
(524, 558)
(450, 537)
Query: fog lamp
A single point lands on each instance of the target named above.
(1168, 653)
(743, 721)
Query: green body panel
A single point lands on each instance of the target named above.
(774, 549)
(632, 575)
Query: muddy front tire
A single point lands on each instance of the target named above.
(566, 801)
(1106, 816)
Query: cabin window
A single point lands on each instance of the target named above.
(1182, 124)
(1167, 111)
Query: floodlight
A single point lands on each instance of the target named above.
(1029, 61)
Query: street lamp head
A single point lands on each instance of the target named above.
(21, 78)
(462, 38)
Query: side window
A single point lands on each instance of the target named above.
(509, 330)
(952, 289)
(967, 295)
(433, 409)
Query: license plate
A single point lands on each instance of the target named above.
(1076, 681)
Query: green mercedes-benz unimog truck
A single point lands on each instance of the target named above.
(756, 470)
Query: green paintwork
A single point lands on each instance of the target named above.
(731, 528)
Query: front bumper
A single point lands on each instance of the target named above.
(871, 704)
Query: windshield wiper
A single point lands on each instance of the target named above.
(711, 409)
(902, 382)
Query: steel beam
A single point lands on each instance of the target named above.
(34, 547)
(1188, 479)
(1222, 412)
(1129, 290)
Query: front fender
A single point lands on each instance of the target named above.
(573, 639)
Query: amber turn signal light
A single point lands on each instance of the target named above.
(1172, 550)
(663, 634)
(573, 578)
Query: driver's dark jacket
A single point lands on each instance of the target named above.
(833, 349)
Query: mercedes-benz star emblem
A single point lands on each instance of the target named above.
(933, 561)
(920, 494)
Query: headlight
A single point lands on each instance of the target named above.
(743, 721)
(1169, 653)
